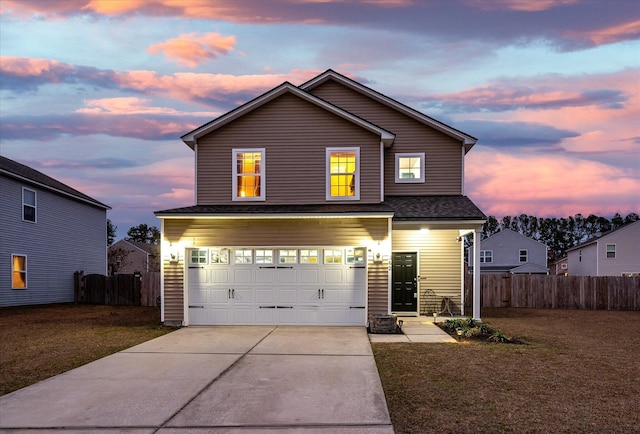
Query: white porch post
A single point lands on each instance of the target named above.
(476, 273)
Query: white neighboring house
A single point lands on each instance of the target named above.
(511, 252)
(48, 231)
(614, 253)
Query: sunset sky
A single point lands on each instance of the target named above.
(96, 93)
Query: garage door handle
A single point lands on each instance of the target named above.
(273, 266)
(284, 307)
(356, 307)
(196, 307)
(282, 267)
(267, 307)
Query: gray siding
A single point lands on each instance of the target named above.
(295, 135)
(67, 237)
(443, 154)
(627, 260)
(506, 246)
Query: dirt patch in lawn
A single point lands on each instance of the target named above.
(38, 342)
(579, 372)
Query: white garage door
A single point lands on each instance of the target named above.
(305, 286)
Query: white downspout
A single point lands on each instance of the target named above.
(462, 275)
(382, 173)
(476, 273)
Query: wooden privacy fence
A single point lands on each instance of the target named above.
(557, 292)
(139, 289)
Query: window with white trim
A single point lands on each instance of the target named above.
(18, 272)
(486, 256)
(356, 256)
(264, 256)
(611, 251)
(410, 167)
(198, 256)
(309, 256)
(523, 255)
(243, 256)
(28, 205)
(248, 174)
(343, 173)
(288, 256)
(219, 256)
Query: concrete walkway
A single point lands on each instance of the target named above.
(215, 379)
(416, 329)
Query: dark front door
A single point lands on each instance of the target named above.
(404, 297)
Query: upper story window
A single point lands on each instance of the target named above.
(523, 255)
(486, 256)
(611, 251)
(410, 168)
(18, 272)
(28, 205)
(343, 173)
(248, 174)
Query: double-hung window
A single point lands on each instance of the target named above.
(28, 205)
(18, 272)
(523, 254)
(611, 251)
(486, 256)
(410, 168)
(248, 174)
(343, 173)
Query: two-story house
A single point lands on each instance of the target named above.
(614, 253)
(508, 251)
(319, 204)
(48, 231)
(128, 256)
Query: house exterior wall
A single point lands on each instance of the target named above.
(440, 267)
(126, 258)
(506, 246)
(627, 260)
(583, 260)
(443, 154)
(290, 232)
(68, 236)
(293, 133)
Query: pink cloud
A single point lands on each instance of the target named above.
(192, 50)
(31, 67)
(519, 5)
(608, 35)
(133, 106)
(553, 185)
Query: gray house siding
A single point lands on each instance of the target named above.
(67, 236)
(506, 246)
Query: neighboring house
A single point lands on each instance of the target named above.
(48, 231)
(560, 267)
(508, 251)
(319, 204)
(614, 253)
(128, 256)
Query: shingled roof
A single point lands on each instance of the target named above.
(31, 176)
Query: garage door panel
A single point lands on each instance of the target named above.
(265, 316)
(356, 276)
(333, 296)
(219, 316)
(309, 276)
(309, 315)
(198, 275)
(332, 276)
(288, 296)
(220, 275)
(354, 297)
(243, 275)
(287, 276)
(244, 315)
(309, 296)
(265, 295)
(355, 316)
(243, 296)
(287, 316)
(199, 316)
(265, 276)
(219, 295)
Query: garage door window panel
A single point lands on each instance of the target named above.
(288, 256)
(264, 256)
(309, 256)
(219, 256)
(198, 257)
(243, 256)
(332, 256)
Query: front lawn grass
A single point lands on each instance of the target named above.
(38, 342)
(577, 371)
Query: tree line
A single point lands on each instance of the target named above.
(559, 234)
(141, 233)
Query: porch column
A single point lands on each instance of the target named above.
(476, 273)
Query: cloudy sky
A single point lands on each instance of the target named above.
(96, 93)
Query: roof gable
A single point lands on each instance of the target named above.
(511, 235)
(466, 139)
(191, 138)
(604, 236)
(24, 173)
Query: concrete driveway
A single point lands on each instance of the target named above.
(216, 379)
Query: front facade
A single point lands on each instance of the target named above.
(47, 232)
(319, 204)
(616, 253)
(508, 251)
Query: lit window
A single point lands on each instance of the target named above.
(243, 256)
(219, 256)
(198, 257)
(28, 205)
(523, 255)
(309, 256)
(288, 256)
(248, 174)
(264, 256)
(19, 272)
(332, 256)
(343, 174)
(611, 251)
(410, 168)
(486, 256)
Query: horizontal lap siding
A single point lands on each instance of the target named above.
(443, 154)
(173, 293)
(295, 135)
(378, 287)
(275, 232)
(440, 262)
